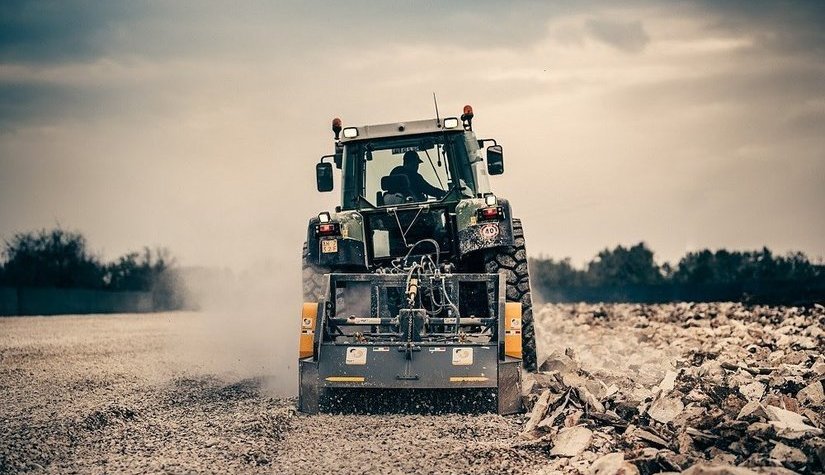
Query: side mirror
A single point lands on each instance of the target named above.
(323, 176)
(495, 160)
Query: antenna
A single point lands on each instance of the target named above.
(438, 123)
(437, 118)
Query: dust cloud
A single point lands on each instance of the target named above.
(247, 325)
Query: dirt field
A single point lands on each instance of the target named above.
(146, 393)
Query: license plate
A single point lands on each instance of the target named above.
(329, 246)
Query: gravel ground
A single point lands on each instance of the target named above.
(144, 393)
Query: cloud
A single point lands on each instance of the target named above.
(628, 37)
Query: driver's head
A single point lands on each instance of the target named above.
(411, 160)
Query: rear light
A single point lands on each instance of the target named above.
(493, 212)
(327, 229)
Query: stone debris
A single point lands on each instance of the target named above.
(692, 388)
(571, 441)
(612, 464)
(812, 394)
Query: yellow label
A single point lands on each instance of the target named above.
(468, 379)
(512, 329)
(345, 379)
(309, 313)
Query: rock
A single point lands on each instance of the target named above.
(573, 419)
(559, 362)
(752, 391)
(713, 372)
(752, 411)
(789, 425)
(666, 409)
(571, 441)
(649, 437)
(668, 382)
(612, 464)
(788, 456)
(539, 409)
(812, 394)
(707, 469)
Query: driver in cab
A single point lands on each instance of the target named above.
(419, 187)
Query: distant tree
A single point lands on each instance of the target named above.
(56, 258)
(137, 271)
(622, 266)
(553, 274)
(724, 267)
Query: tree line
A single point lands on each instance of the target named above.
(62, 259)
(631, 274)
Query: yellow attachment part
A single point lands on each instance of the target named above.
(345, 379)
(512, 329)
(309, 314)
(468, 379)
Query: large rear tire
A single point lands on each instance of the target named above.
(313, 277)
(513, 261)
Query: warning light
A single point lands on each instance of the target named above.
(328, 229)
(467, 117)
(336, 127)
(491, 213)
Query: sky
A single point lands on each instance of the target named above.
(196, 126)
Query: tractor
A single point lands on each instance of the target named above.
(418, 281)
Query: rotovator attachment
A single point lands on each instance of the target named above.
(411, 338)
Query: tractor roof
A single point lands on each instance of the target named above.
(397, 129)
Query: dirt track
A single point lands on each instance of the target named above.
(123, 394)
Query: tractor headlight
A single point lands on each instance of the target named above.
(351, 132)
(324, 217)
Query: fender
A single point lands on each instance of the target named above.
(474, 235)
(351, 246)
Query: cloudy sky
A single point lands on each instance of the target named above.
(197, 125)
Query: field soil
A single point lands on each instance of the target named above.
(147, 393)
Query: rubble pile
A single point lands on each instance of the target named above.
(700, 388)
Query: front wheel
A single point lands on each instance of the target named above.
(513, 261)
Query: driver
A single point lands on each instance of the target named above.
(419, 187)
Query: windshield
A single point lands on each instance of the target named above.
(393, 171)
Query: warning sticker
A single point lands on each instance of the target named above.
(489, 231)
(356, 355)
(462, 356)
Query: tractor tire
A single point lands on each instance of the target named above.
(313, 277)
(513, 261)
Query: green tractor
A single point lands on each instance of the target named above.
(419, 279)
